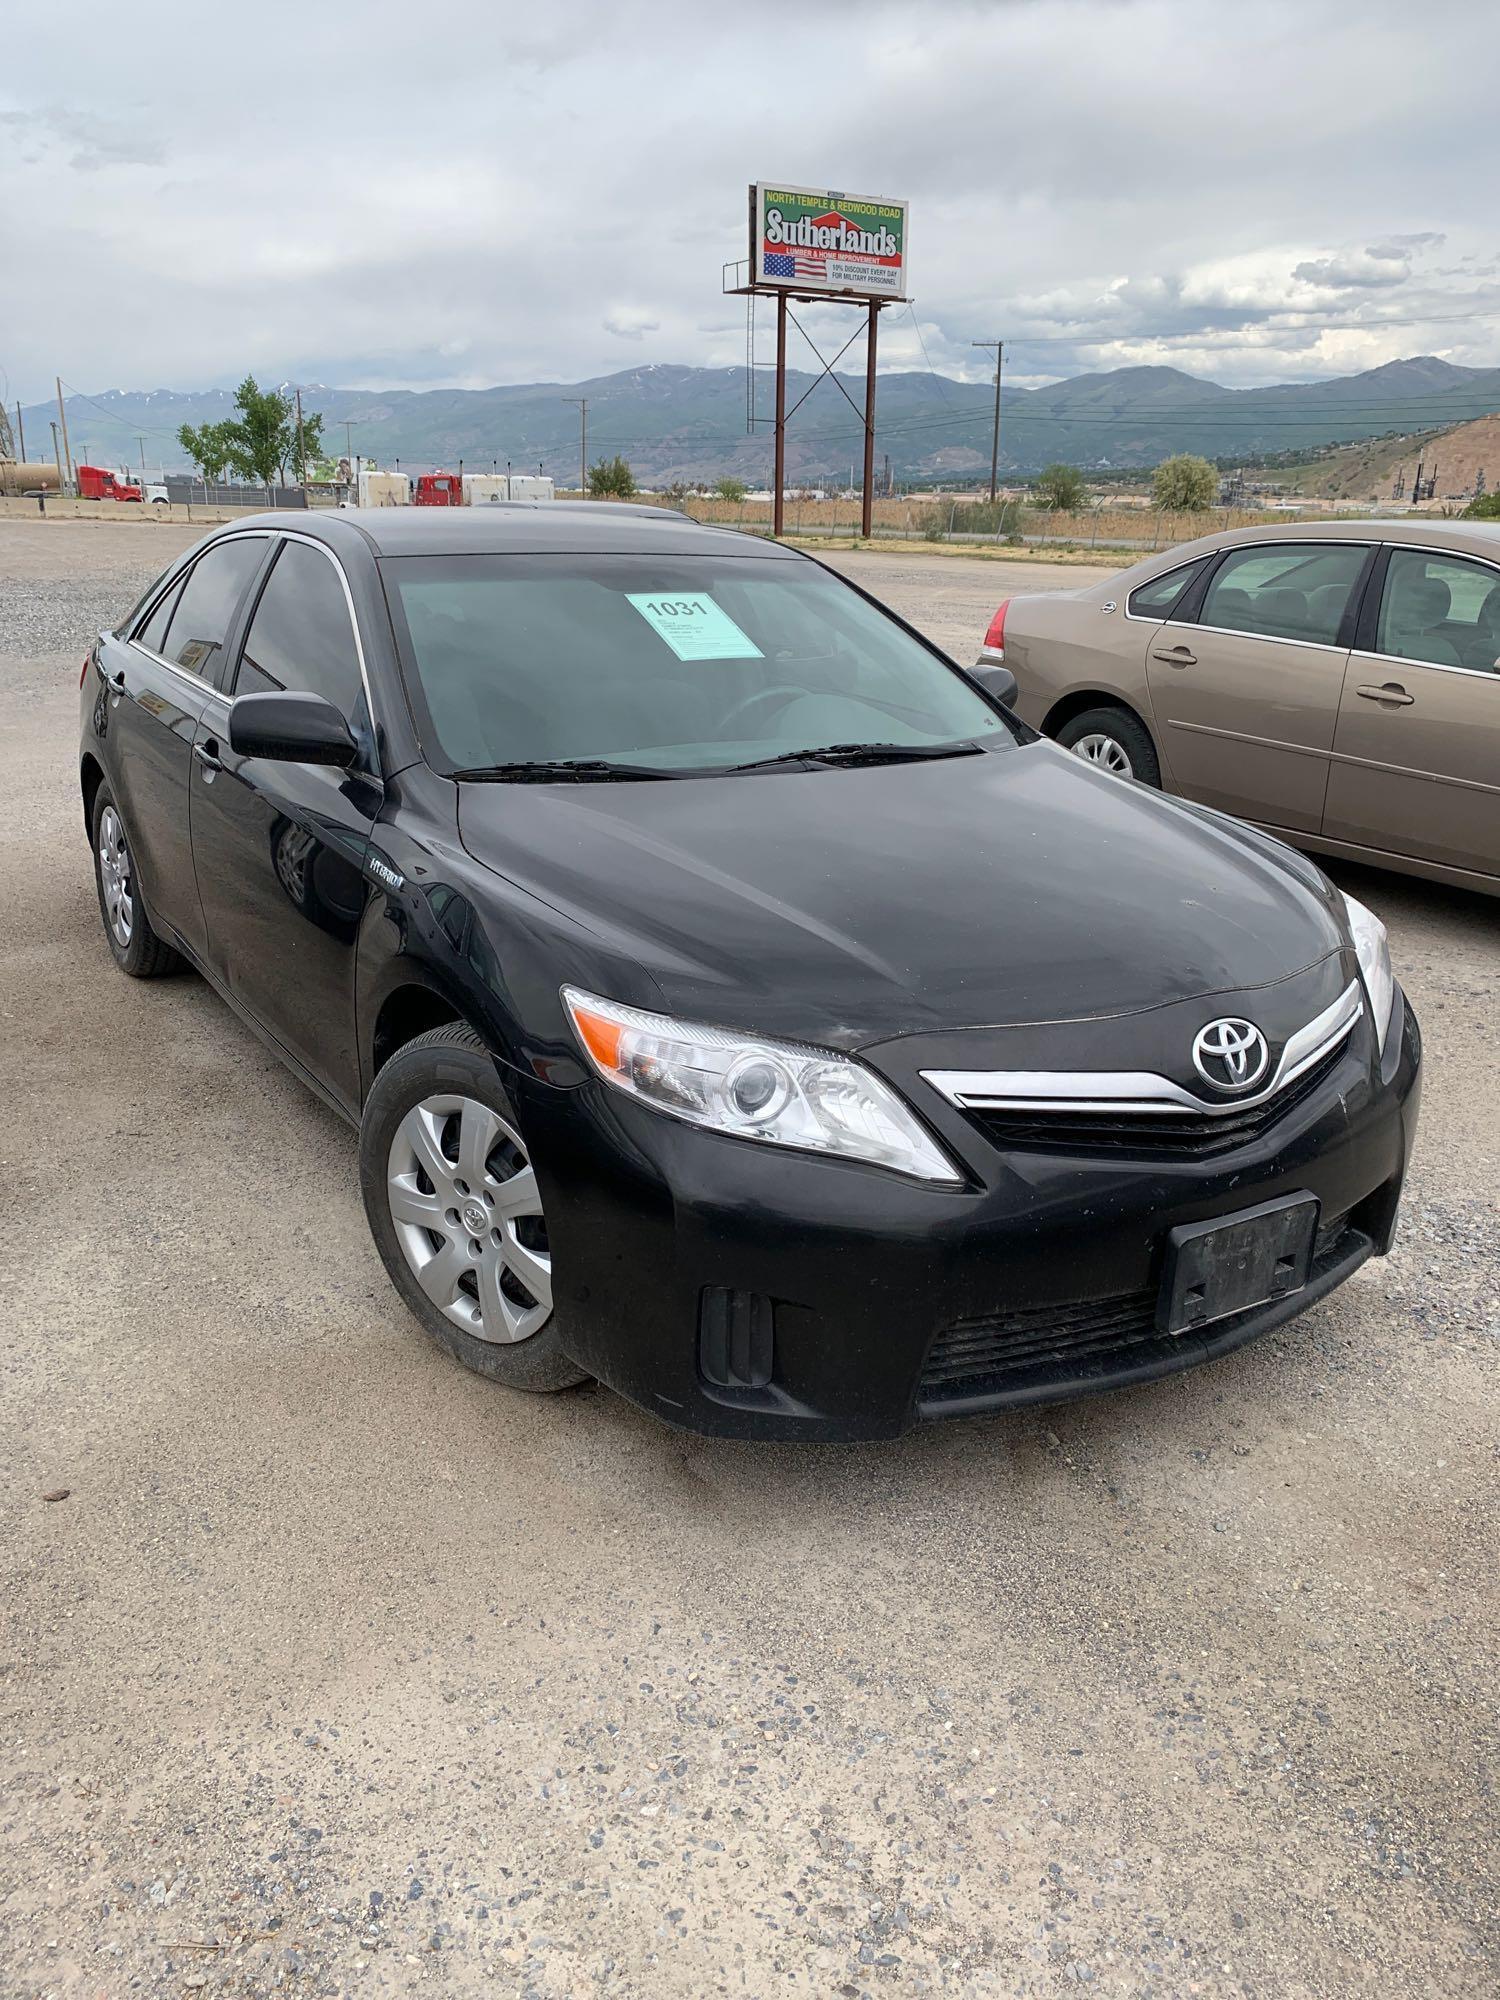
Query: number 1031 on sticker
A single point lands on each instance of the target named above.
(694, 626)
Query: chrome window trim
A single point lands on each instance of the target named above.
(1140, 1093)
(1405, 659)
(312, 542)
(1135, 617)
(193, 557)
(264, 535)
(1432, 666)
(1270, 638)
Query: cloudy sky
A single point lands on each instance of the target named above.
(387, 194)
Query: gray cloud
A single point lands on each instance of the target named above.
(392, 197)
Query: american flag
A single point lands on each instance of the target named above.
(779, 265)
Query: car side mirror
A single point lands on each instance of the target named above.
(291, 728)
(999, 683)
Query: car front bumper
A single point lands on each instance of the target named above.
(751, 1291)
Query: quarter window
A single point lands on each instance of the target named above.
(200, 622)
(300, 637)
(1441, 609)
(1284, 590)
(1158, 598)
(152, 634)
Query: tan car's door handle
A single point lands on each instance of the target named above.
(1392, 694)
(1178, 656)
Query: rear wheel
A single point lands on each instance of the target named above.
(1114, 740)
(137, 948)
(457, 1217)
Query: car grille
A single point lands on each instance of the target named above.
(994, 1352)
(1187, 1135)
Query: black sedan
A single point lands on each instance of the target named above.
(736, 1002)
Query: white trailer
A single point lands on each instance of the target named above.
(481, 489)
(382, 489)
(531, 486)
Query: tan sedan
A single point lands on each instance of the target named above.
(1336, 683)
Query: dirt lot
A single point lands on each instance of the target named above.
(341, 1672)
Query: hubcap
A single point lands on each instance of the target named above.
(469, 1218)
(116, 878)
(1108, 752)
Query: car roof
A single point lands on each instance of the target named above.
(1481, 538)
(541, 527)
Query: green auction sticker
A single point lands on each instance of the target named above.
(694, 626)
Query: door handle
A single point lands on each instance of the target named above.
(207, 753)
(1393, 695)
(1179, 656)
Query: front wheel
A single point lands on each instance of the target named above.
(1114, 740)
(453, 1204)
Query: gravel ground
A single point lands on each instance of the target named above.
(341, 1672)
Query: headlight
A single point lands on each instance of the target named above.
(1372, 949)
(771, 1091)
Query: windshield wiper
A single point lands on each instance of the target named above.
(866, 753)
(560, 770)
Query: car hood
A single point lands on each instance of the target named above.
(850, 906)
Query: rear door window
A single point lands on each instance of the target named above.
(1284, 590)
(202, 616)
(1159, 597)
(1442, 609)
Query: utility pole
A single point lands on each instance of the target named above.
(583, 441)
(20, 433)
(62, 413)
(142, 443)
(301, 454)
(57, 454)
(999, 347)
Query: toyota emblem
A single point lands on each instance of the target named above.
(1230, 1054)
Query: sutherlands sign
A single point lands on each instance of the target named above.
(814, 240)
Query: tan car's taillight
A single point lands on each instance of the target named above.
(994, 639)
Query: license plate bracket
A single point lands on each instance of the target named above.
(1233, 1262)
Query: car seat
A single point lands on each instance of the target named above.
(1419, 605)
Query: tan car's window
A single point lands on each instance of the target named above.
(1441, 609)
(1157, 598)
(1284, 590)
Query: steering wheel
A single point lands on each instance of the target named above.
(754, 701)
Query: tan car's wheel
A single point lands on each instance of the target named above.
(1115, 741)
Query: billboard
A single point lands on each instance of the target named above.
(816, 240)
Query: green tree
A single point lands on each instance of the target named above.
(265, 433)
(210, 446)
(730, 489)
(1484, 507)
(611, 479)
(1184, 484)
(1061, 488)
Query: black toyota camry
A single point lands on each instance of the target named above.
(736, 1003)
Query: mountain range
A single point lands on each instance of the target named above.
(677, 423)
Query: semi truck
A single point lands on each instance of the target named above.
(98, 482)
(480, 489)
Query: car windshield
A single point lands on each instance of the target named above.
(679, 665)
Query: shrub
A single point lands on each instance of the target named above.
(1184, 484)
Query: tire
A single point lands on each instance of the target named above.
(467, 1251)
(1114, 740)
(136, 947)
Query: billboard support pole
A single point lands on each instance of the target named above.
(779, 507)
(867, 508)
